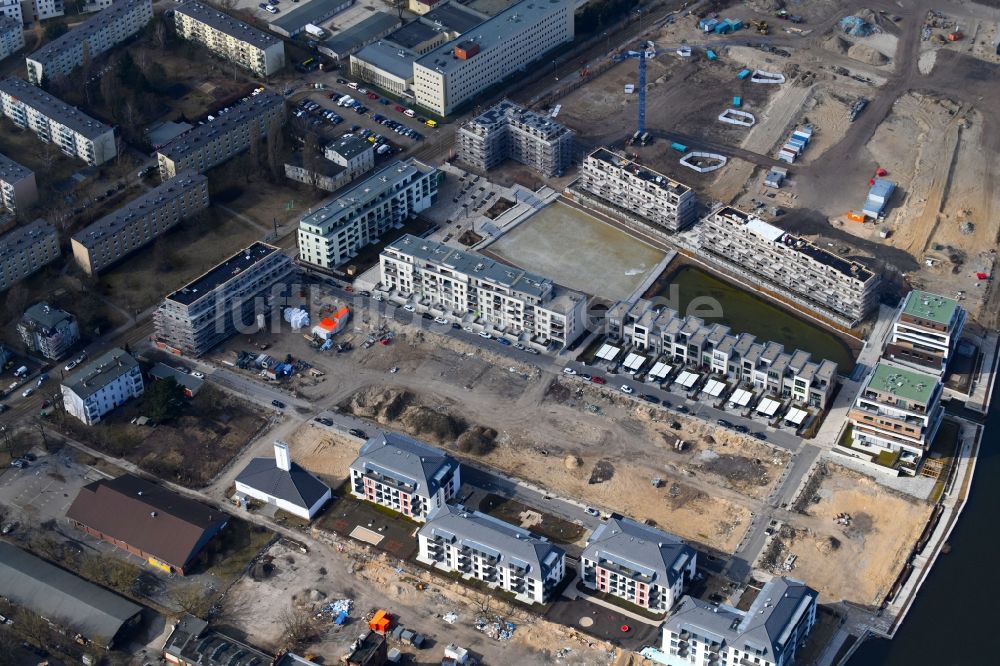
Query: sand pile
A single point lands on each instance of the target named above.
(867, 54)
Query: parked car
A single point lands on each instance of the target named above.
(409, 308)
(278, 404)
(586, 376)
(532, 350)
(28, 391)
(504, 341)
(759, 435)
(358, 433)
(70, 366)
(199, 375)
(569, 371)
(626, 389)
(724, 423)
(598, 380)
(683, 409)
(485, 335)
(650, 398)
(323, 420)
(741, 429)
(592, 511)
(440, 320)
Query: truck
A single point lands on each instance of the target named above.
(21, 372)
(315, 31)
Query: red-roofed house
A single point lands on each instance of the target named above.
(330, 326)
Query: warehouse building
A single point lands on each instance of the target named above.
(192, 643)
(509, 131)
(926, 332)
(17, 186)
(283, 483)
(102, 385)
(25, 250)
(386, 65)
(312, 13)
(11, 34)
(359, 35)
(234, 40)
(48, 331)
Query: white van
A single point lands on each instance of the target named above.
(410, 113)
(352, 85)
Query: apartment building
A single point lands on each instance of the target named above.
(457, 71)
(11, 34)
(225, 137)
(630, 187)
(353, 153)
(637, 563)
(48, 331)
(509, 131)
(925, 332)
(333, 233)
(100, 386)
(467, 284)
(25, 250)
(226, 300)
(769, 633)
(322, 174)
(689, 340)
(104, 31)
(91, 6)
(139, 222)
(898, 412)
(405, 475)
(837, 288)
(17, 186)
(487, 549)
(250, 48)
(40, 10)
(13, 9)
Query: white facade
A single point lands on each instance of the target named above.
(257, 51)
(12, 8)
(101, 386)
(926, 332)
(353, 153)
(39, 10)
(11, 35)
(284, 484)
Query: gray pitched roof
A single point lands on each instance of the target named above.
(100, 372)
(649, 552)
(405, 458)
(296, 485)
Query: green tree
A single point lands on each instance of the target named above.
(164, 399)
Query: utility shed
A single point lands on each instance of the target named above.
(281, 482)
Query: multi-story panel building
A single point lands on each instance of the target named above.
(40, 10)
(91, 6)
(11, 34)
(139, 222)
(457, 71)
(53, 121)
(260, 52)
(464, 284)
(13, 9)
(223, 301)
(353, 153)
(639, 564)
(107, 29)
(769, 633)
(333, 233)
(404, 475)
(499, 554)
(48, 331)
(25, 250)
(509, 131)
(102, 385)
(926, 332)
(837, 288)
(17, 185)
(228, 135)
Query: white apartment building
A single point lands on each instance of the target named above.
(640, 564)
(53, 121)
(218, 140)
(484, 548)
(104, 31)
(509, 131)
(333, 233)
(17, 186)
(250, 48)
(457, 71)
(139, 222)
(925, 332)
(91, 6)
(102, 385)
(405, 475)
(837, 288)
(11, 35)
(48, 331)
(353, 153)
(769, 633)
(463, 285)
(634, 189)
(25, 250)
(40, 10)
(12, 9)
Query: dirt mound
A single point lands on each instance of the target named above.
(867, 54)
(399, 407)
(477, 440)
(838, 44)
(767, 6)
(572, 462)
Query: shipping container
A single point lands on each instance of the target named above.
(711, 54)
(744, 73)
(737, 101)
(679, 147)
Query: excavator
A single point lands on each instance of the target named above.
(761, 27)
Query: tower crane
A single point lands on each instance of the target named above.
(645, 54)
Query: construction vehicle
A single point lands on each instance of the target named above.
(761, 27)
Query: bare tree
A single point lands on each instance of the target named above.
(275, 143)
(190, 598)
(311, 160)
(160, 32)
(297, 627)
(17, 298)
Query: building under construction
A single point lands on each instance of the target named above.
(509, 131)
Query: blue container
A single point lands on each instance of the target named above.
(737, 102)
(711, 55)
(679, 147)
(743, 74)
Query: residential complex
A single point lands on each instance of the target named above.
(353, 153)
(837, 288)
(334, 233)
(100, 386)
(769, 633)
(260, 52)
(926, 332)
(283, 483)
(48, 331)
(54, 121)
(139, 222)
(218, 140)
(499, 554)
(690, 341)
(640, 564)
(25, 250)
(457, 71)
(39, 10)
(227, 299)
(104, 31)
(11, 35)
(467, 284)
(17, 186)
(404, 475)
(634, 189)
(509, 131)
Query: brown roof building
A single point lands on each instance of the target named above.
(147, 520)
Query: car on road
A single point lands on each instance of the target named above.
(41, 379)
(503, 341)
(28, 391)
(724, 423)
(667, 404)
(569, 371)
(198, 374)
(8, 528)
(428, 316)
(626, 389)
(683, 409)
(467, 328)
(356, 432)
(323, 420)
(759, 435)
(70, 366)
(440, 320)
(518, 345)
(598, 379)
(278, 404)
(741, 428)
(531, 350)
(455, 325)
(181, 368)
(650, 398)
(342, 81)
(586, 376)
(592, 511)
(485, 335)
(399, 108)
(409, 308)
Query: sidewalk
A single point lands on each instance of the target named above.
(572, 593)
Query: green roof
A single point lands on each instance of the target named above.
(930, 306)
(906, 384)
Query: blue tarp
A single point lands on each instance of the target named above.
(856, 26)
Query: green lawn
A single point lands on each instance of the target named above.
(555, 529)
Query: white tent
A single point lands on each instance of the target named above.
(768, 407)
(659, 371)
(633, 362)
(796, 416)
(714, 388)
(740, 398)
(607, 352)
(687, 379)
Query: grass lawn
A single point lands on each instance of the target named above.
(554, 529)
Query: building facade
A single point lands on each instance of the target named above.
(48, 331)
(925, 332)
(642, 565)
(139, 222)
(225, 137)
(225, 300)
(100, 386)
(389, 66)
(12, 9)
(467, 284)
(334, 233)
(25, 250)
(261, 53)
(53, 121)
(353, 153)
(17, 186)
(509, 131)
(11, 34)
(40, 10)
(283, 483)
(657, 199)
(404, 475)
(487, 549)
(322, 175)
(108, 28)
(835, 287)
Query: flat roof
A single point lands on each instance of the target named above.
(53, 108)
(639, 171)
(99, 21)
(12, 172)
(238, 114)
(362, 33)
(230, 26)
(455, 17)
(14, 241)
(931, 307)
(349, 146)
(222, 273)
(413, 34)
(313, 12)
(768, 407)
(507, 111)
(389, 57)
(902, 383)
(190, 641)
